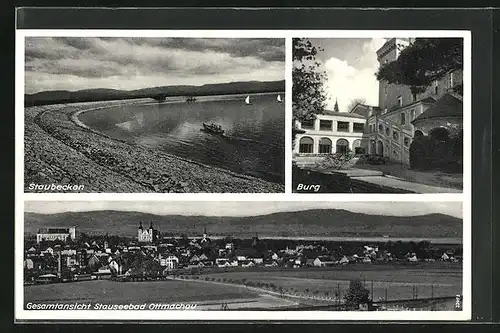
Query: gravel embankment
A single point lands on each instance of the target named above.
(59, 151)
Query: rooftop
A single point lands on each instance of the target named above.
(53, 231)
(427, 100)
(364, 109)
(344, 114)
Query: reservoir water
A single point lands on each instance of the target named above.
(254, 133)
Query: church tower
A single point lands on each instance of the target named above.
(150, 232)
(255, 241)
(205, 238)
(139, 232)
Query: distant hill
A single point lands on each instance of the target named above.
(91, 95)
(325, 222)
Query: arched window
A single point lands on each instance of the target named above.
(356, 145)
(418, 133)
(373, 147)
(342, 146)
(381, 128)
(403, 118)
(325, 146)
(380, 148)
(395, 136)
(306, 145)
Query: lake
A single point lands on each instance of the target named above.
(254, 142)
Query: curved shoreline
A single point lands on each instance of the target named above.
(79, 122)
(150, 170)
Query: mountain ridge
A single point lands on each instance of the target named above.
(101, 94)
(312, 222)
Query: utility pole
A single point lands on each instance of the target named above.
(432, 296)
(59, 268)
(372, 290)
(338, 293)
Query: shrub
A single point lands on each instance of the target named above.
(334, 161)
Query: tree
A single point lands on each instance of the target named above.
(355, 102)
(308, 96)
(356, 294)
(422, 62)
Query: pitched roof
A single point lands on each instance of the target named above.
(427, 100)
(344, 114)
(449, 105)
(364, 109)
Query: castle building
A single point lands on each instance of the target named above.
(149, 235)
(389, 128)
(53, 234)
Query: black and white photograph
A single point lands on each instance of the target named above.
(378, 115)
(273, 256)
(154, 114)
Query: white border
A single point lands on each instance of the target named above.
(20, 196)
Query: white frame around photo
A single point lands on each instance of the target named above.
(23, 315)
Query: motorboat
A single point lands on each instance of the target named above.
(213, 128)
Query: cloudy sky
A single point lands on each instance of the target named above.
(131, 63)
(350, 64)
(246, 208)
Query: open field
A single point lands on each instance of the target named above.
(294, 288)
(58, 151)
(398, 282)
(107, 291)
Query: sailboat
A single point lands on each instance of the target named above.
(279, 99)
(247, 100)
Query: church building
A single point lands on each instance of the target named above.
(150, 235)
